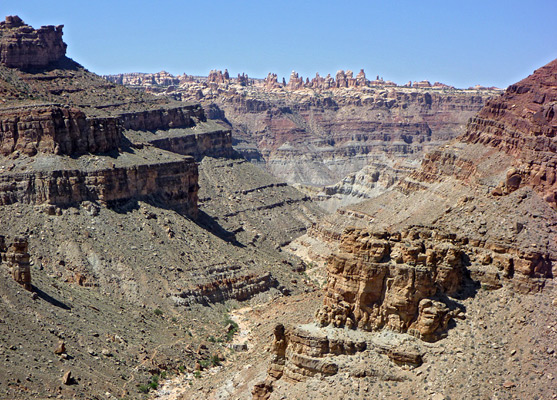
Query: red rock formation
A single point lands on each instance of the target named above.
(421, 84)
(361, 79)
(271, 81)
(295, 82)
(21, 46)
(522, 122)
(218, 77)
(341, 81)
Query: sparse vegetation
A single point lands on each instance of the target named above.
(144, 388)
(154, 384)
(158, 312)
(232, 328)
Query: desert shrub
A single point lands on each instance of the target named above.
(144, 388)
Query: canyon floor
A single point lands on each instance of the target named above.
(504, 349)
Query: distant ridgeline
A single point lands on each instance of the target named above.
(342, 80)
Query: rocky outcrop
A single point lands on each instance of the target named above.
(17, 259)
(522, 122)
(226, 282)
(162, 78)
(108, 146)
(381, 280)
(306, 351)
(56, 129)
(21, 46)
(217, 76)
(163, 118)
(173, 182)
(215, 143)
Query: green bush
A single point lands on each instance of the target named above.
(232, 331)
(215, 360)
(154, 384)
(144, 388)
(158, 311)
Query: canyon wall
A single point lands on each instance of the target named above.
(317, 132)
(101, 148)
(175, 183)
(479, 214)
(56, 129)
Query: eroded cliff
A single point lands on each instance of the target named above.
(319, 131)
(135, 226)
(478, 213)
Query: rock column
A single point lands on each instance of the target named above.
(17, 258)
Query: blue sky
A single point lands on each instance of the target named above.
(462, 43)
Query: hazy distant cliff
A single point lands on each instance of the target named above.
(317, 132)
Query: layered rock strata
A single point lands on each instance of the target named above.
(17, 258)
(379, 280)
(225, 282)
(472, 210)
(174, 183)
(116, 233)
(307, 351)
(56, 129)
(163, 118)
(207, 139)
(523, 123)
(103, 151)
(21, 46)
(320, 131)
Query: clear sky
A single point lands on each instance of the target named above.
(462, 43)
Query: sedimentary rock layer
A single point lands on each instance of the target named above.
(56, 129)
(317, 133)
(174, 182)
(381, 280)
(163, 118)
(21, 46)
(522, 122)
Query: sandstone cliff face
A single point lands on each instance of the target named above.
(21, 46)
(56, 130)
(479, 211)
(102, 147)
(379, 280)
(214, 143)
(314, 138)
(163, 118)
(522, 122)
(103, 181)
(175, 183)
